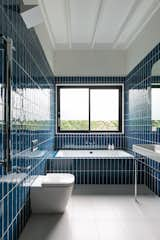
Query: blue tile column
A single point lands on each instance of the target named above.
(31, 116)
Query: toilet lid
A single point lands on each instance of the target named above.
(58, 179)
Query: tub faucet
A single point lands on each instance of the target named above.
(89, 143)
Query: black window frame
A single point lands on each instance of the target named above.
(90, 87)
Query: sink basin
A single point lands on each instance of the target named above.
(152, 147)
(151, 151)
(35, 154)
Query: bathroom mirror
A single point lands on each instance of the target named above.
(155, 96)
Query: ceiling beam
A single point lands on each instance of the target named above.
(155, 6)
(127, 19)
(68, 22)
(47, 23)
(96, 23)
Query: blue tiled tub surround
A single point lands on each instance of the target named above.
(78, 141)
(97, 170)
(138, 128)
(116, 168)
(31, 91)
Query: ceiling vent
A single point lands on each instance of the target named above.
(32, 15)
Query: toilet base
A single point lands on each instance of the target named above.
(50, 200)
(50, 193)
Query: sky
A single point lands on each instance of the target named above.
(74, 104)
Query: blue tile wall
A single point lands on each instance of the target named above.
(31, 118)
(79, 141)
(138, 128)
(88, 141)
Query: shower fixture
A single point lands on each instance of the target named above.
(7, 44)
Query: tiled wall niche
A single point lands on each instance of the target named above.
(30, 118)
(92, 171)
(77, 141)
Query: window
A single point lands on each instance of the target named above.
(155, 96)
(89, 108)
(74, 108)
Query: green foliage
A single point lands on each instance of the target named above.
(78, 125)
(156, 123)
(74, 125)
(31, 125)
(104, 125)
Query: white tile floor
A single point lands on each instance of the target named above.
(100, 213)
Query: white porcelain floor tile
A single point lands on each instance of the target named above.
(98, 214)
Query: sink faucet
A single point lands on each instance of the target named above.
(34, 144)
(20, 169)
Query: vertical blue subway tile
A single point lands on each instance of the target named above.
(31, 84)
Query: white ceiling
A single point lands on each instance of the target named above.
(104, 24)
(104, 37)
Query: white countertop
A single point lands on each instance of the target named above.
(151, 151)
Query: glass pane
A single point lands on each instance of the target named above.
(74, 107)
(104, 109)
(155, 108)
(40, 100)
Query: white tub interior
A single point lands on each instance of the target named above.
(93, 154)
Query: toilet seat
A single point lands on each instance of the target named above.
(58, 180)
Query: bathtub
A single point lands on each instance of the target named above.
(94, 166)
(93, 154)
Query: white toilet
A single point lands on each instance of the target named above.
(50, 193)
